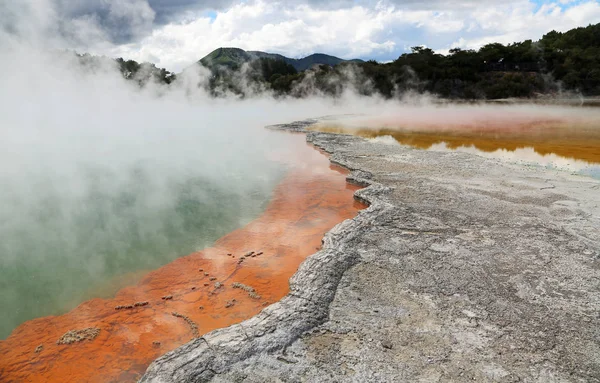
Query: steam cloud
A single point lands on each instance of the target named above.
(100, 177)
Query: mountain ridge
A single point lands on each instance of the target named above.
(232, 57)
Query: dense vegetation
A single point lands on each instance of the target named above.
(234, 58)
(142, 73)
(557, 63)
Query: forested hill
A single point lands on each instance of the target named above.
(558, 62)
(234, 58)
(569, 60)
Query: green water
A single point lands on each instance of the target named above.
(64, 237)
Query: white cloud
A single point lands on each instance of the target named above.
(522, 21)
(302, 30)
(381, 29)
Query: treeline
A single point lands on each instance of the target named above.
(559, 62)
(142, 73)
(254, 77)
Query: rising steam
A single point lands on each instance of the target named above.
(100, 177)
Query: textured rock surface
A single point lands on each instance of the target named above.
(310, 201)
(462, 269)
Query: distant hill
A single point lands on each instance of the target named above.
(234, 57)
(560, 64)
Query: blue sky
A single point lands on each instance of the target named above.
(211, 14)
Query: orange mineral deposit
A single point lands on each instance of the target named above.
(114, 340)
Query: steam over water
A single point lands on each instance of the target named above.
(101, 181)
(66, 235)
(565, 138)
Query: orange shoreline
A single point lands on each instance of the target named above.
(312, 199)
(579, 145)
(579, 142)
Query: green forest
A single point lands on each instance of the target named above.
(555, 64)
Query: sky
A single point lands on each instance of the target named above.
(175, 33)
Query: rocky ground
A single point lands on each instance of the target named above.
(462, 269)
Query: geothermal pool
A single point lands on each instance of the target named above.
(65, 238)
(110, 262)
(230, 280)
(563, 142)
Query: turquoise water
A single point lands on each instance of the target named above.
(593, 172)
(71, 233)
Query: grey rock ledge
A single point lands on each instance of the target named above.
(306, 306)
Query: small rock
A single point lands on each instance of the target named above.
(470, 314)
(73, 336)
(286, 360)
(387, 344)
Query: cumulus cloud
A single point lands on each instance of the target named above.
(176, 33)
(118, 21)
(525, 21)
(77, 23)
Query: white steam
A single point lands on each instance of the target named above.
(100, 177)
